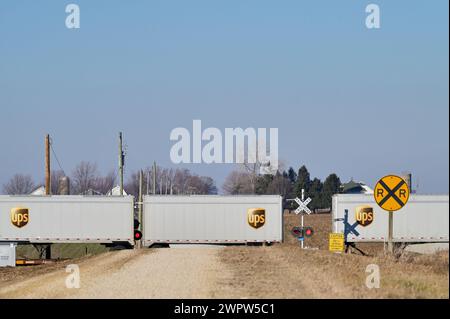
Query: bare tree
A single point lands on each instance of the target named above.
(181, 180)
(84, 177)
(251, 172)
(280, 185)
(209, 186)
(132, 185)
(238, 182)
(19, 184)
(103, 184)
(170, 181)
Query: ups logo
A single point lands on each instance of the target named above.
(256, 217)
(20, 217)
(364, 215)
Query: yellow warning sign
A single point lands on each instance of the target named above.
(336, 242)
(391, 193)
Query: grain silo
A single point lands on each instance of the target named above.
(64, 185)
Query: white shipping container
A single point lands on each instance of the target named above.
(7, 254)
(66, 219)
(212, 219)
(425, 218)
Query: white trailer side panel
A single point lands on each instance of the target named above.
(68, 219)
(210, 219)
(425, 218)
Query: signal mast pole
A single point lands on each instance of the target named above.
(303, 199)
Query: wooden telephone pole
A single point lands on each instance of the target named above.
(48, 184)
(140, 204)
(121, 160)
(47, 249)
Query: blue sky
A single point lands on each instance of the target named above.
(346, 99)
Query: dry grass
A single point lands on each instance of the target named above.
(286, 271)
(71, 253)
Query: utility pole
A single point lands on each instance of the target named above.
(47, 166)
(140, 199)
(148, 182)
(154, 178)
(121, 163)
(47, 249)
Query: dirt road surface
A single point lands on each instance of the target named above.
(281, 271)
(159, 273)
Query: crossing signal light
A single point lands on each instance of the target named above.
(308, 231)
(137, 234)
(297, 232)
(301, 232)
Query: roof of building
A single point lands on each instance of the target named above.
(356, 187)
(38, 191)
(116, 191)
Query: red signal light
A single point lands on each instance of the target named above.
(137, 235)
(309, 231)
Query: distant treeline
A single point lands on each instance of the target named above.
(85, 179)
(288, 184)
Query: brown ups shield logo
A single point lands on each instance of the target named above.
(364, 215)
(256, 217)
(19, 217)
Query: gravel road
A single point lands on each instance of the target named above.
(147, 273)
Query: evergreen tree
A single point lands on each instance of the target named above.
(262, 183)
(315, 192)
(292, 175)
(303, 181)
(331, 186)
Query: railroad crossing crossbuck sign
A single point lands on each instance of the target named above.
(391, 193)
(302, 206)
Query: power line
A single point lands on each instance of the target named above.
(56, 157)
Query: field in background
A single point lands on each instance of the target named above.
(62, 251)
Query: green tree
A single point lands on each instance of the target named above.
(262, 183)
(315, 192)
(292, 175)
(303, 181)
(331, 186)
(280, 185)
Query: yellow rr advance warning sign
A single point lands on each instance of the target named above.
(336, 242)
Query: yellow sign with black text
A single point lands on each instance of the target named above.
(391, 193)
(336, 242)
